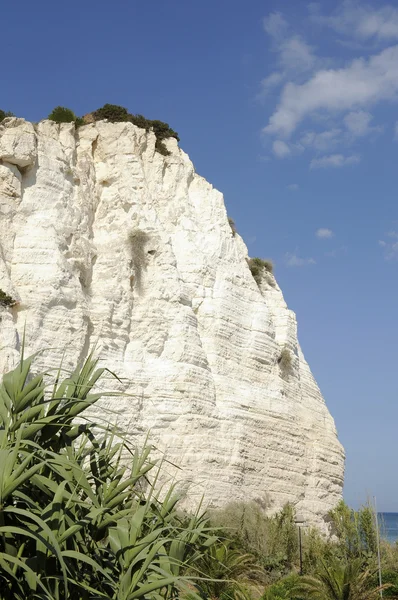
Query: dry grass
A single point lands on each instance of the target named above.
(285, 360)
(232, 226)
(258, 266)
(6, 300)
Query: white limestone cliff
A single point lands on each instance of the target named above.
(102, 239)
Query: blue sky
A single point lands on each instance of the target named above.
(290, 109)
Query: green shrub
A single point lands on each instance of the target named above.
(140, 121)
(61, 114)
(257, 267)
(75, 522)
(390, 579)
(79, 121)
(272, 539)
(161, 148)
(6, 300)
(163, 130)
(226, 572)
(389, 555)
(339, 579)
(316, 548)
(232, 226)
(119, 114)
(355, 530)
(4, 114)
(282, 589)
(112, 112)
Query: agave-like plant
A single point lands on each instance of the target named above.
(226, 572)
(339, 580)
(74, 520)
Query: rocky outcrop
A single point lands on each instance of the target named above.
(103, 240)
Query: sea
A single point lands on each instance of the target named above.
(388, 522)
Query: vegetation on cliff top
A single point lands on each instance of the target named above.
(118, 114)
(4, 114)
(114, 114)
(61, 114)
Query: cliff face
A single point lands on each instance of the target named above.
(104, 240)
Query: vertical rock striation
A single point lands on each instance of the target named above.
(103, 240)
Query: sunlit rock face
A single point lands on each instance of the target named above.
(105, 241)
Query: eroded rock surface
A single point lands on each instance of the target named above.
(102, 239)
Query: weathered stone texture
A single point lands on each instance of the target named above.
(104, 240)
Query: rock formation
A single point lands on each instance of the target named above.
(104, 241)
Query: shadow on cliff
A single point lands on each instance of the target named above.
(138, 241)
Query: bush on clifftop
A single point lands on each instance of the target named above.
(61, 114)
(119, 114)
(5, 114)
(111, 112)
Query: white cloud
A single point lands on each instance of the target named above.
(275, 25)
(321, 141)
(362, 20)
(336, 252)
(334, 160)
(295, 53)
(390, 247)
(361, 83)
(357, 123)
(281, 149)
(269, 83)
(292, 260)
(324, 233)
(293, 187)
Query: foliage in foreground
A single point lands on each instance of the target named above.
(282, 589)
(337, 580)
(273, 540)
(344, 561)
(226, 572)
(74, 521)
(78, 522)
